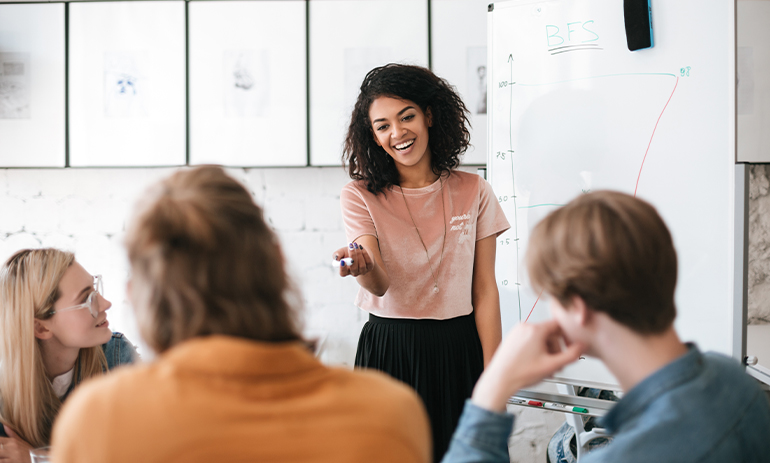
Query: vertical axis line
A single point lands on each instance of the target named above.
(513, 185)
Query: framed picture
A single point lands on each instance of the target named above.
(32, 85)
(248, 83)
(461, 58)
(127, 95)
(347, 40)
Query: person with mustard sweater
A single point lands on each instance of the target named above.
(233, 379)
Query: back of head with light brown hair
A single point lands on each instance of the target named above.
(204, 262)
(29, 287)
(613, 251)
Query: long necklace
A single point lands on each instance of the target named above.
(443, 242)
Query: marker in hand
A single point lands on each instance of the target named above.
(342, 262)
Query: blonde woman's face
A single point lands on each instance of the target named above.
(78, 328)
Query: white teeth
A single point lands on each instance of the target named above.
(404, 145)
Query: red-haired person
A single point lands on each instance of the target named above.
(233, 380)
(606, 262)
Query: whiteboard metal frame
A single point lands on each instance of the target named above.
(741, 257)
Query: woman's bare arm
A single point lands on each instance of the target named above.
(485, 297)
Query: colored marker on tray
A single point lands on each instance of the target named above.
(556, 406)
(535, 403)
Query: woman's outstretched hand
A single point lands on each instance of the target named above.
(362, 264)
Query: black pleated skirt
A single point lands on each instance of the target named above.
(440, 359)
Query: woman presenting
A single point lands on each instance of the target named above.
(422, 241)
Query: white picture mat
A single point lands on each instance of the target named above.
(36, 32)
(348, 39)
(571, 130)
(145, 40)
(753, 81)
(459, 31)
(263, 121)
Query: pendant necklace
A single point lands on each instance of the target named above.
(443, 242)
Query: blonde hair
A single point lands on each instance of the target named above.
(204, 262)
(29, 287)
(613, 251)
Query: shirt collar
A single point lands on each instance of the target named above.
(680, 371)
(233, 356)
(61, 384)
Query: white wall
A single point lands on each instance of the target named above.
(85, 210)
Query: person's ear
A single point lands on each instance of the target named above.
(580, 312)
(429, 117)
(41, 329)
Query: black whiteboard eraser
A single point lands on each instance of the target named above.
(638, 16)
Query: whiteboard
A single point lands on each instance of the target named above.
(459, 58)
(347, 40)
(572, 110)
(127, 95)
(32, 85)
(248, 80)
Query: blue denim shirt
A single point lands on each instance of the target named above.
(699, 408)
(119, 351)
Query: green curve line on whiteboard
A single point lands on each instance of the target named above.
(600, 77)
(540, 205)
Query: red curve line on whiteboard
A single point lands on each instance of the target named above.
(533, 307)
(652, 136)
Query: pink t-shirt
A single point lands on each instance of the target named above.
(472, 213)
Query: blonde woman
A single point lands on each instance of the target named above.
(233, 380)
(54, 334)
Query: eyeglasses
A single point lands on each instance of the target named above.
(92, 303)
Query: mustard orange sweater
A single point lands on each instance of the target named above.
(223, 399)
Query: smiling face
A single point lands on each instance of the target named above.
(76, 328)
(400, 127)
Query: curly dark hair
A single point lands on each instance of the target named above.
(448, 138)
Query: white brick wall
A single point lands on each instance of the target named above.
(85, 210)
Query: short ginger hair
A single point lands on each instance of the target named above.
(204, 262)
(613, 251)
